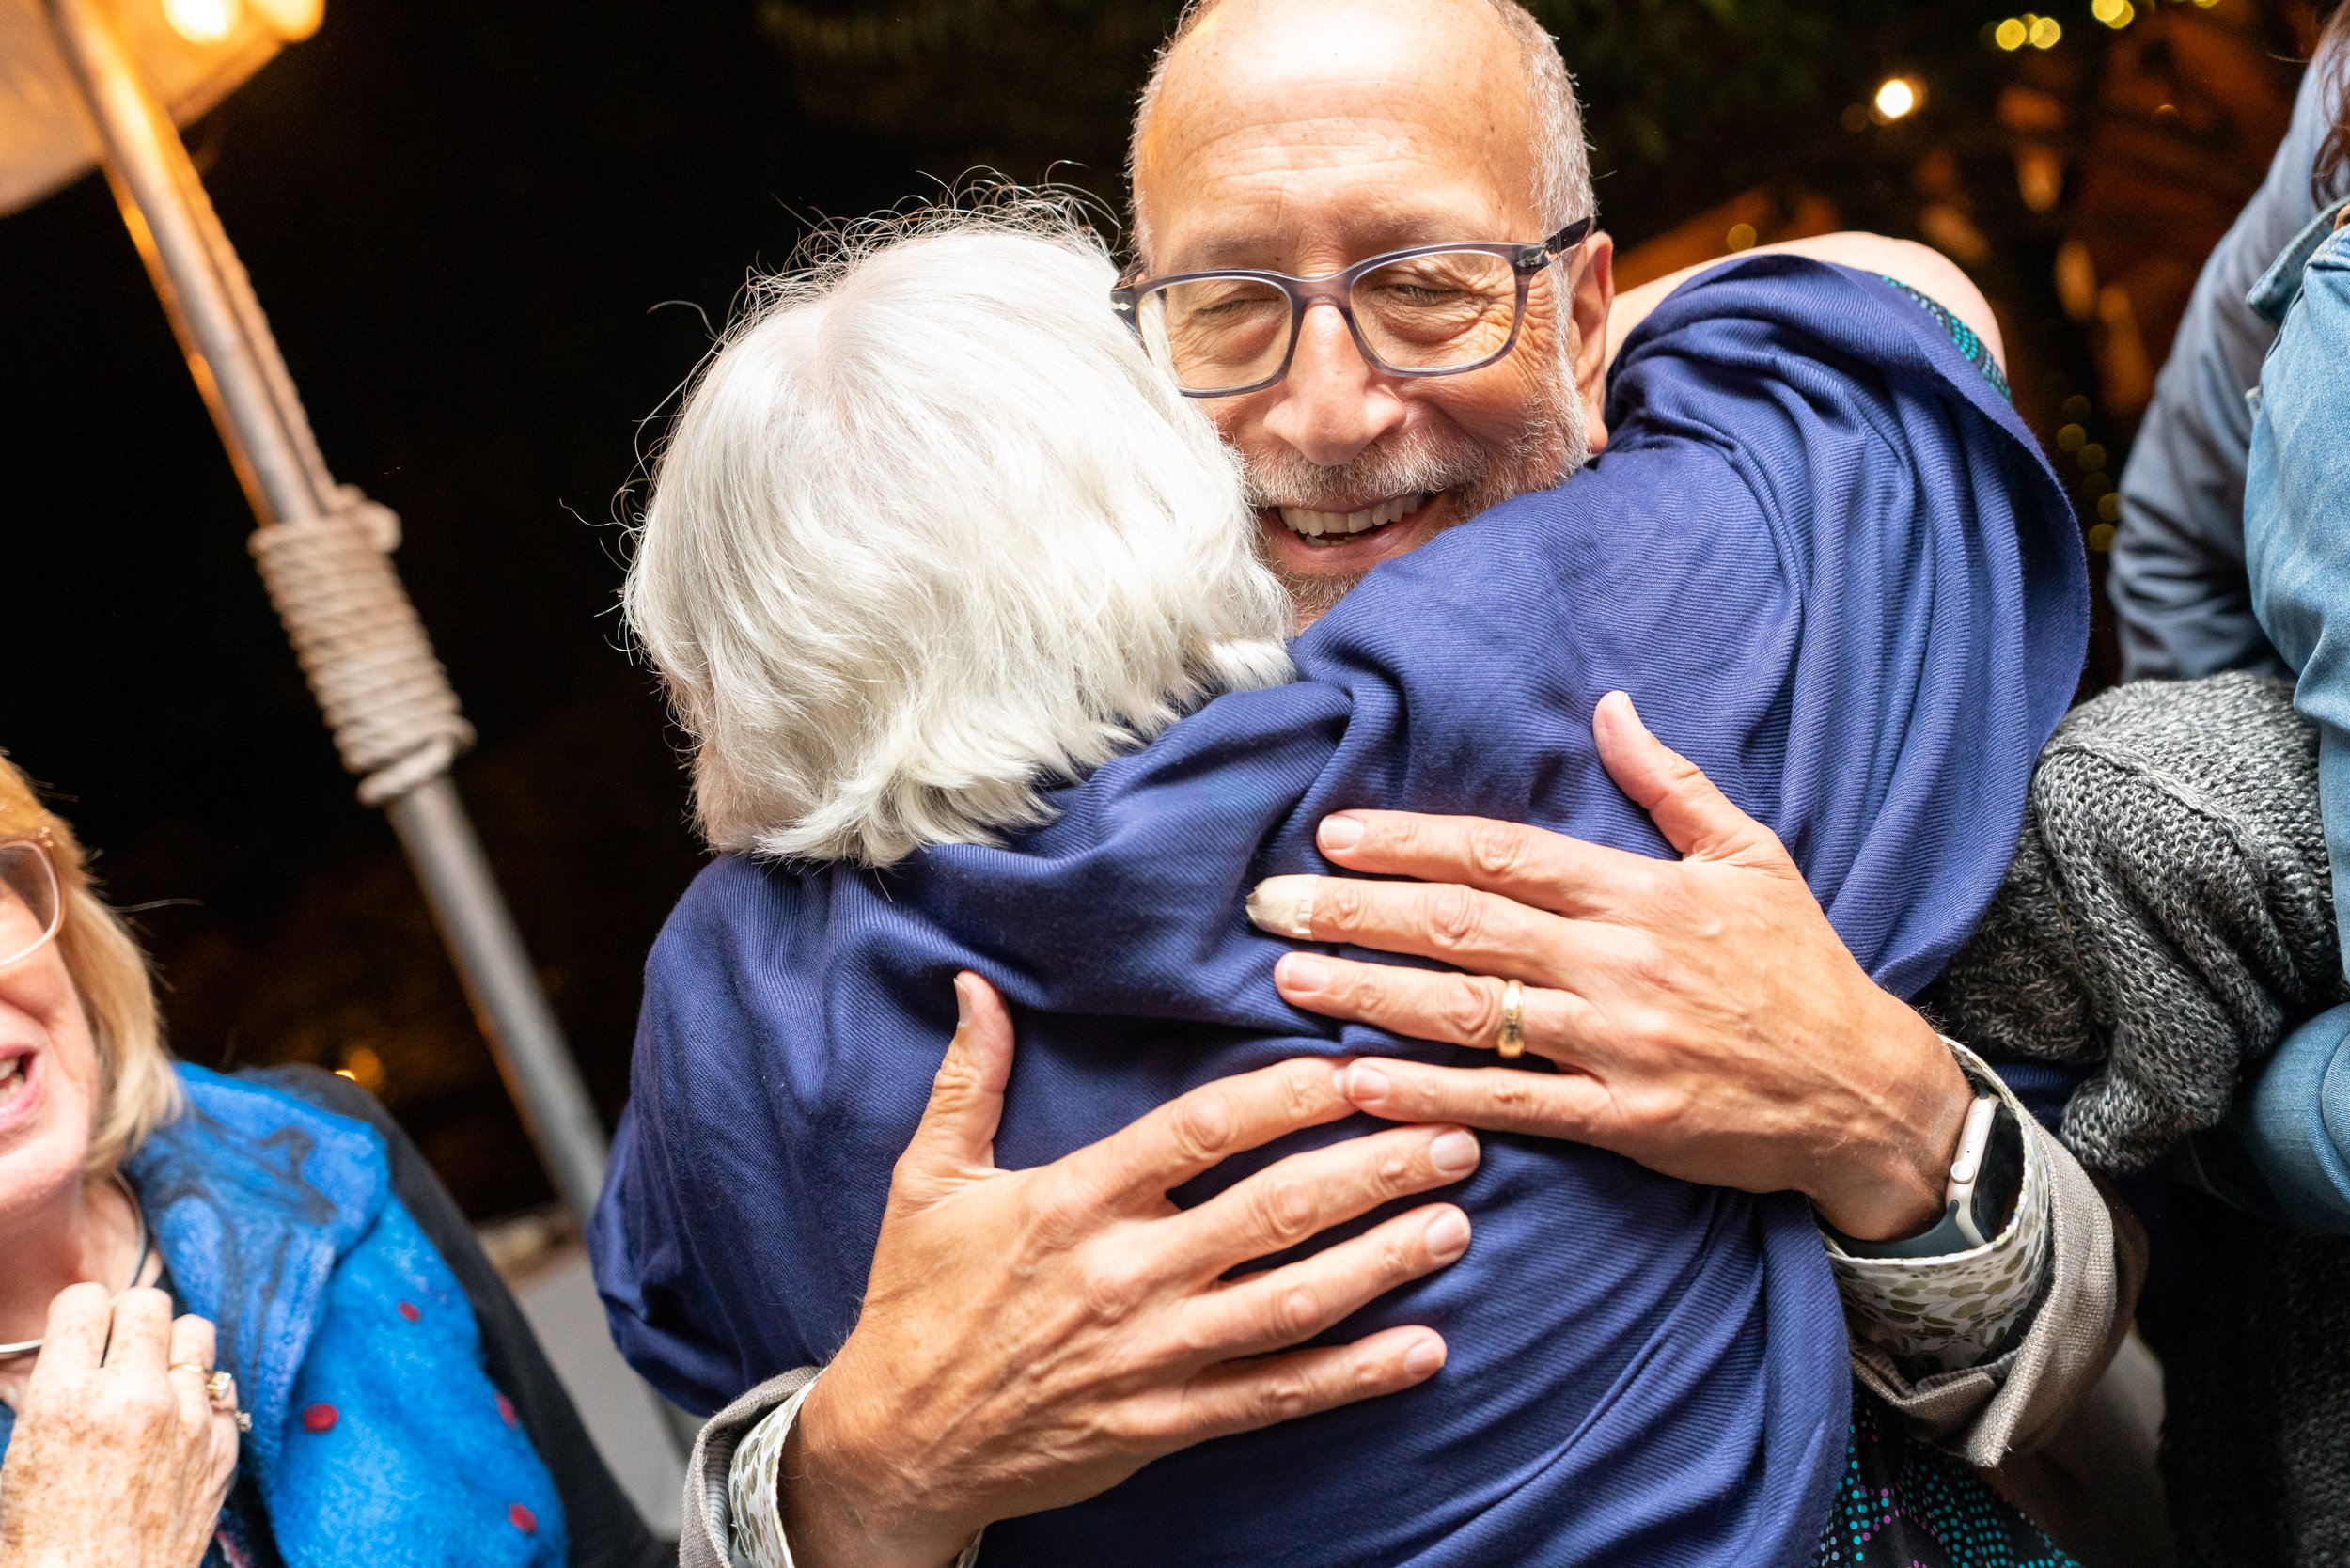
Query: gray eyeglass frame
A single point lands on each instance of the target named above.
(1525, 261)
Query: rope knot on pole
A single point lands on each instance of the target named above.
(396, 722)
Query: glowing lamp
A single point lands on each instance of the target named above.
(291, 20)
(203, 21)
(1896, 97)
(109, 82)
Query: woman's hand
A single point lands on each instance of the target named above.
(1709, 1021)
(118, 1459)
(1030, 1337)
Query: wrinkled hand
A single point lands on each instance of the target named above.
(118, 1459)
(1706, 1019)
(1030, 1337)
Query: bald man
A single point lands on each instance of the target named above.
(1303, 138)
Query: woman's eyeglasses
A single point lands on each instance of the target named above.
(30, 909)
(1433, 310)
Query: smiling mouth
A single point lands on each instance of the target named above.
(1325, 528)
(13, 1079)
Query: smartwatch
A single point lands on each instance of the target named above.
(1987, 1178)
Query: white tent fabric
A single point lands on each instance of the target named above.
(46, 140)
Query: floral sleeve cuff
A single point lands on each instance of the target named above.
(1963, 1309)
(753, 1510)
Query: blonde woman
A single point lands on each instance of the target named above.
(240, 1324)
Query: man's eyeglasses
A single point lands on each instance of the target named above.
(1433, 310)
(30, 910)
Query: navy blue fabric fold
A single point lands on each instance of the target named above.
(1832, 568)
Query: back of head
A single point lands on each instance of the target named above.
(932, 532)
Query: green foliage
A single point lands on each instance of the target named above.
(1713, 95)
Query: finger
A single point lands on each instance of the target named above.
(74, 1340)
(1196, 1131)
(141, 1338)
(1243, 1396)
(1695, 818)
(1285, 1305)
(222, 1468)
(957, 1127)
(1431, 1004)
(1570, 1106)
(1532, 865)
(194, 1342)
(1307, 1193)
(194, 1401)
(1459, 925)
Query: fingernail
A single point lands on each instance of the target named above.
(1424, 1358)
(1283, 905)
(1364, 1086)
(1632, 712)
(1341, 833)
(962, 1003)
(1453, 1153)
(1302, 973)
(1448, 1235)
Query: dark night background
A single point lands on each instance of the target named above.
(490, 236)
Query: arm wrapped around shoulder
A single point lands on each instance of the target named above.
(2168, 915)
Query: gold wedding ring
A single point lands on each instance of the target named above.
(1513, 1041)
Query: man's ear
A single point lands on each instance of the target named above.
(1594, 293)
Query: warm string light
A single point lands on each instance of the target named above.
(1896, 97)
(2040, 32)
(2116, 14)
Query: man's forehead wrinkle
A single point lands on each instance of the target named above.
(1450, 56)
(1235, 127)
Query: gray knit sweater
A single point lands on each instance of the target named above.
(2168, 918)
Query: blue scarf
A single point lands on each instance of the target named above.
(378, 1440)
(1830, 565)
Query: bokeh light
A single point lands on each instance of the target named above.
(2012, 34)
(1896, 97)
(2046, 31)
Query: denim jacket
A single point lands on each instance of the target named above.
(2295, 1122)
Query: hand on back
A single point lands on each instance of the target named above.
(1704, 1018)
(1030, 1337)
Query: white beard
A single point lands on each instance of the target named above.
(1555, 441)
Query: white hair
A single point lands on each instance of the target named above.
(1562, 175)
(931, 533)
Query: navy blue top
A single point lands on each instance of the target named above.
(1829, 563)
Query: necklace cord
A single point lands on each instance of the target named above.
(146, 1245)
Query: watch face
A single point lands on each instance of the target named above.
(2002, 1178)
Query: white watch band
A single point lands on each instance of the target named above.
(1974, 1142)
